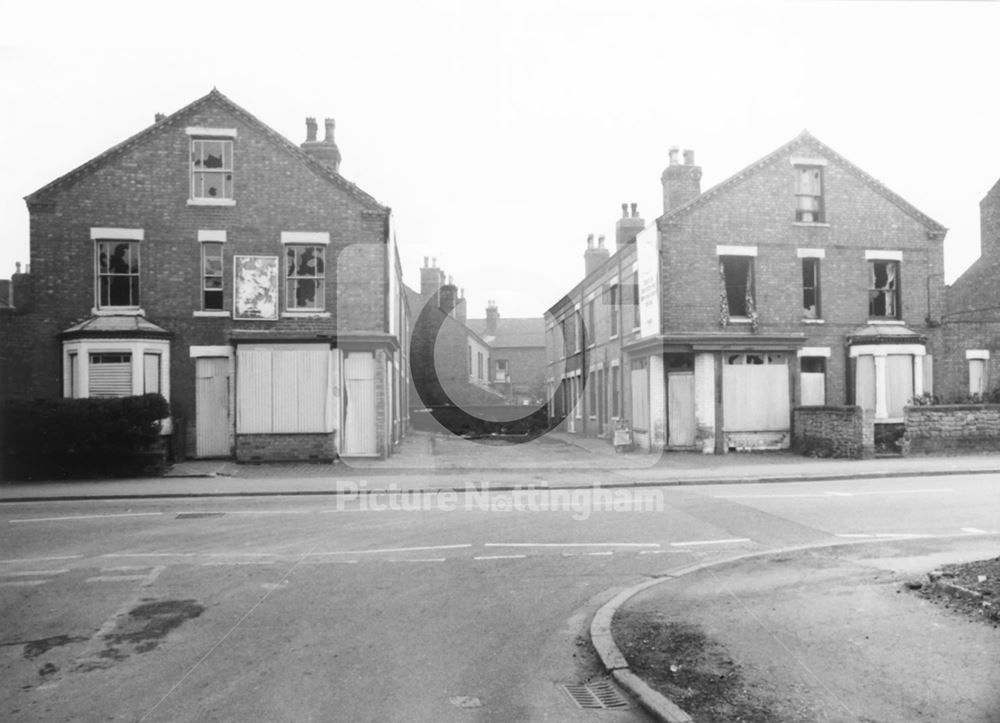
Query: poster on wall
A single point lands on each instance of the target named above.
(256, 287)
(648, 271)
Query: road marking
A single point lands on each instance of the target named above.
(22, 583)
(241, 554)
(571, 544)
(42, 559)
(84, 517)
(853, 534)
(263, 512)
(390, 549)
(802, 495)
(710, 542)
(329, 562)
(660, 552)
(116, 578)
(423, 559)
(978, 531)
(30, 573)
(218, 563)
(150, 554)
(125, 568)
(880, 535)
(500, 557)
(595, 554)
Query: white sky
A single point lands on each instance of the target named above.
(503, 133)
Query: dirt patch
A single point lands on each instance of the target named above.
(970, 589)
(34, 648)
(680, 661)
(146, 625)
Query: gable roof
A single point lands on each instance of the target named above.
(214, 96)
(805, 138)
(512, 332)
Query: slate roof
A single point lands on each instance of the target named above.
(214, 95)
(115, 326)
(512, 332)
(805, 138)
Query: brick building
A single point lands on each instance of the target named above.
(211, 260)
(971, 327)
(517, 355)
(800, 280)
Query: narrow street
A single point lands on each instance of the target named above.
(454, 608)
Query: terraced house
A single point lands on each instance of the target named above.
(799, 280)
(212, 260)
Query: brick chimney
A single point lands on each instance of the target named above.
(431, 280)
(448, 296)
(324, 151)
(681, 183)
(460, 308)
(594, 256)
(628, 226)
(492, 314)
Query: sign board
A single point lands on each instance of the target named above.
(648, 275)
(255, 291)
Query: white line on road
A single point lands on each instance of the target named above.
(880, 535)
(660, 552)
(150, 554)
(241, 554)
(500, 557)
(117, 578)
(219, 563)
(258, 512)
(22, 583)
(42, 559)
(571, 544)
(710, 542)
(390, 549)
(125, 568)
(329, 562)
(423, 559)
(597, 554)
(84, 517)
(30, 573)
(803, 495)
(978, 531)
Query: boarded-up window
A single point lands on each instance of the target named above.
(110, 375)
(755, 392)
(899, 383)
(640, 394)
(151, 373)
(864, 383)
(977, 376)
(281, 391)
(813, 380)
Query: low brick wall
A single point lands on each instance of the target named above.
(285, 447)
(951, 428)
(833, 432)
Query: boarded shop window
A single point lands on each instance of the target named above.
(110, 375)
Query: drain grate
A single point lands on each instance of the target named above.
(599, 695)
(197, 515)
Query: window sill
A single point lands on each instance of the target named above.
(305, 314)
(739, 320)
(886, 322)
(122, 311)
(813, 224)
(814, 321)
(612, 337)
(211, 202)
(215, 313)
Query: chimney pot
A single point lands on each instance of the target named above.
(590, 241)
(600, 241)
(688, 158)
(329, 130)
(158, 117)
(17, 265)
(310, 130)
(635, 210)
(425, 261)
(674, 150)
(434, 262)
(624, 210)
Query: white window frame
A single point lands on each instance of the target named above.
(979, 357)
(198, 134)
(76, 363)
(132, 236)
(288, 281)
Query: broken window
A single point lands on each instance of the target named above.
(211, 168)
(118, 274)
(809, 194)
(810, 288)
(737, 287)
(211, 264)
(883, 290)
(305, 277)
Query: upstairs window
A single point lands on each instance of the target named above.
(305, 287)
(635, 302)
(883, 289)
(809, 194)
(211, 269)
(613, 303)
(117, 274)
(591, 329)
(212, 169)
(737, 286)
(810, 288)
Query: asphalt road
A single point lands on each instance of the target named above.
(415, 607)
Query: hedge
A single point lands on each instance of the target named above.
(73, 437)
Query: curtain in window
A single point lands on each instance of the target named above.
(723, 298)
(751, 309)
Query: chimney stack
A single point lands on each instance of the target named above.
(324, 151)
(681, 183)
(492, 314)
(628, 227)
(594, 257)
(431, 281)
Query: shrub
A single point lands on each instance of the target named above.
(65, 436)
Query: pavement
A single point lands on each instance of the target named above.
(823, 634)
(431, 462)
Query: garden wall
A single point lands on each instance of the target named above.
(950, 428)
(833, 432)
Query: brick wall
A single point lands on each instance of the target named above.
(952, 428)
(285, 447)
(833, 432)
